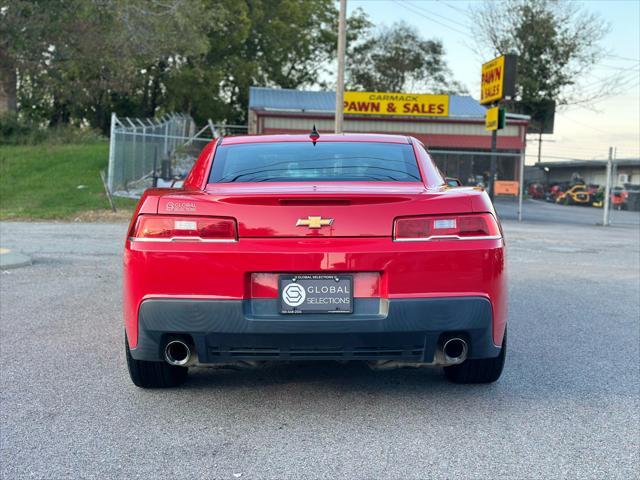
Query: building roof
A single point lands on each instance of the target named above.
(630, 162)
(285, 99)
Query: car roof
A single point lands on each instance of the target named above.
(345, 137)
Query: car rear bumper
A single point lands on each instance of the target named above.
(224, 331)
(406, 271)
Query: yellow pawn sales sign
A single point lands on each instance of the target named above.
(498, 79)
(399, 104)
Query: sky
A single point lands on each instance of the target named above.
(580, 132)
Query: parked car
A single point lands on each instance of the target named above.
(309, 247)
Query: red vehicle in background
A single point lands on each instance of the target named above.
(332, 247)
(536, 191)
(554, 192)
(619, 198)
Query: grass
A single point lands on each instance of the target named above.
(54, 182)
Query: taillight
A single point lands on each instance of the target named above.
(160, 228)
(446, 227)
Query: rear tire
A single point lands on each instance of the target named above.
(482, 370)
(146, 374)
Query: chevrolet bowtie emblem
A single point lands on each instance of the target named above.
(314, 222)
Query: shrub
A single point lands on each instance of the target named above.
(15, 130)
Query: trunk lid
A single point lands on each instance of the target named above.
(315, 210)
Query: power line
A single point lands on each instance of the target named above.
(558, 142)
(459, 10)
(411, 8)
(611, 67)
(597, 89)
(564, 149)
(606, 97)
(625, 58)
(567, 150)
(632, 72)
(573, 154)
(444, 18)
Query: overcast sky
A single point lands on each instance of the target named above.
(583, 133)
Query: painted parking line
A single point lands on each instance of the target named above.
(11, 259)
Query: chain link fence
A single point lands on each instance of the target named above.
(473, 168)
(145, 152)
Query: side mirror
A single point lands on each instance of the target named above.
(453, 182)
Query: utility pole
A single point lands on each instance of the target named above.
(342, 40)
(540, 146)
(540, 142)
(521, 187)
(607, 189)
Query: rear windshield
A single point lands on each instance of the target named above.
(324, 162)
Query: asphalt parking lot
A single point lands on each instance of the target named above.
(567, 404)
(539, 211)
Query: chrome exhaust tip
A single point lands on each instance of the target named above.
(455, 350)
(177, 353)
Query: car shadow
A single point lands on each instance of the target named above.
(321, 375)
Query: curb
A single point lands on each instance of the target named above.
(10, 259)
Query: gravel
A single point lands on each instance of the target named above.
(567, 404)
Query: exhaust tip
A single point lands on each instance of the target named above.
(455, 350)
(177, 353)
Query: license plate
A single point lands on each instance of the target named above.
(316, 294)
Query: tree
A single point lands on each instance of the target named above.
(289, 44)
(397, 59)
(557, 43)
(20, 42)
(79, 59)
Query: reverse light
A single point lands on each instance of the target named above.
(172, 228)
(481, 226)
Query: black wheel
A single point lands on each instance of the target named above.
(154, 374)
(484, 370)
(567, 200)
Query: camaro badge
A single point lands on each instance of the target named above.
(313, 222)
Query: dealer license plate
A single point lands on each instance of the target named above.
(316, 294)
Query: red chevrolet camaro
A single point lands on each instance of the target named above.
(307, 247)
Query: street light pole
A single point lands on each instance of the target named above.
(342, 40)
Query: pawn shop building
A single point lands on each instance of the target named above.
(451, 126)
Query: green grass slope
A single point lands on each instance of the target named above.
(41, 181)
